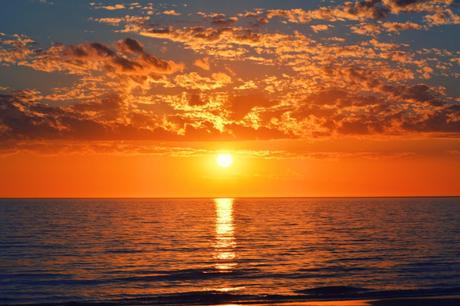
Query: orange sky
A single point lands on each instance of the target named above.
(393, 168)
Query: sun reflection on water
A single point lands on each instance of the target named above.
(225, 242)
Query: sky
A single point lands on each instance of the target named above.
(311, 98)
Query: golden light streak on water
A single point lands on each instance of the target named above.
(224, 245)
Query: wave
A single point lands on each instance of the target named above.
(192, 274)
(350, 292)
(326, 293)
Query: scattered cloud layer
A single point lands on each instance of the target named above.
(262, 74)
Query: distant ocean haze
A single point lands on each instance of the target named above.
(239, 250)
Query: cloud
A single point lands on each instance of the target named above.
(437, 12)
(171, 13)
(98, 67)
(194, 80)
(129, 59)
(367, 29)
(443, 17)
(114, 7)
(254, 81)
(320, 27)
(401, 26)
(203, 63)
(15, 48)
(117, 21)
(24, 119)
(241, 105)
(408, 109)
(219, 19)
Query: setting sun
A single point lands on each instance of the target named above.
(224, 160)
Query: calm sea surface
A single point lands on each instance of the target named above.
(224, 250)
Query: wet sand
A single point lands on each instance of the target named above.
(408, 301)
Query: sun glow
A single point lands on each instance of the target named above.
(224, 160)
(225, 241)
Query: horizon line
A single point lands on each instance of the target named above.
(233, 197)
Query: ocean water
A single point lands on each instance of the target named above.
(227, 250)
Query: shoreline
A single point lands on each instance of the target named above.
(441, 300)
(444, 300)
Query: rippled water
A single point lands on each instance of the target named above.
(192, 250)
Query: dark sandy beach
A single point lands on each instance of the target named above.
(409, 301)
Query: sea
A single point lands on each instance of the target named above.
(226, 250)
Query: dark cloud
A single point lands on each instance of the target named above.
(130, 45)
(405, 109)
(19, 120)
(129, 59)
(220, 19)
(446, 120)
(104, 119)
(195, 99)
(369, 8)
(241, 105)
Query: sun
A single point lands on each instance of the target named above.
(224, 160)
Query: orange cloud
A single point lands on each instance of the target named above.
(320, 27)
(262, 84)
(203, 63)
(171, 13)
